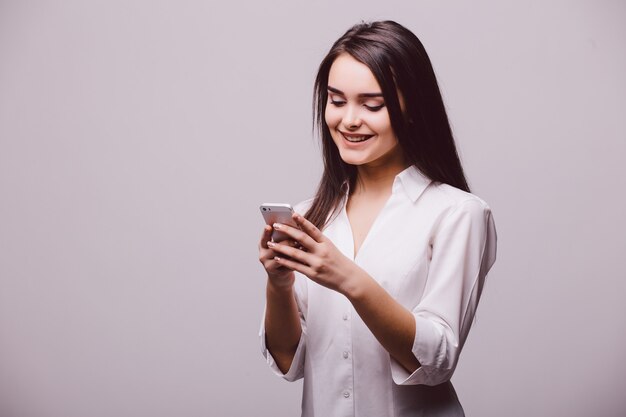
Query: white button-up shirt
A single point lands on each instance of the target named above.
(430, 247)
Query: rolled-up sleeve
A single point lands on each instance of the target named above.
(296, 370)
(463, 251)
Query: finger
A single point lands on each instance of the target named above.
(296, 234)
(288, 242)
(268, 261)
(308, 227)
(265, 236)
(294, 266)
(292, 243)
(293, 253)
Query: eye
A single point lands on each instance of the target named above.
(337, 103)
(374, 108)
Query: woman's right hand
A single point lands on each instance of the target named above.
(278, 276)
(282, 320)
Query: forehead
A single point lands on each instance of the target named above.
(351, 76)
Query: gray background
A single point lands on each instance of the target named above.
(137, 139)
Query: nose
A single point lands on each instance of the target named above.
(351, 118)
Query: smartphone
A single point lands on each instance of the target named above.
(278, 213)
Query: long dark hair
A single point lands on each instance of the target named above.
(399, 62)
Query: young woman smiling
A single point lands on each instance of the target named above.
(373, 296)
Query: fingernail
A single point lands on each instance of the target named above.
(270, 244)
(277, 225)
(276, 258)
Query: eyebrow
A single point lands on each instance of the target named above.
(336, 91)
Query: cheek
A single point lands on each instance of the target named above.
(381, 124)
(332, 116)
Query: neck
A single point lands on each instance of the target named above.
(375, 179)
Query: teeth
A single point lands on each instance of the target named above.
(357, 138)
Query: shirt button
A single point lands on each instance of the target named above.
(345, 317)
(345, 354)
(346, 394)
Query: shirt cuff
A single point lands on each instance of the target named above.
(296, 370)
(432, 370)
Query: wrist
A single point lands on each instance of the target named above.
(282, 284)
(353, 285)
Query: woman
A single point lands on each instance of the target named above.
(372, 298)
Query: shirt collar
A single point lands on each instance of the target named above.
(412, 182)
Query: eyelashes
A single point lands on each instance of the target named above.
(338, 103)
(374, 108)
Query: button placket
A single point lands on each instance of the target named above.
(345, 353)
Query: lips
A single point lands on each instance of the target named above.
(355, 137)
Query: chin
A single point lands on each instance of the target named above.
(351, 159)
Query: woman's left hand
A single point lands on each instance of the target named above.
(317, 258)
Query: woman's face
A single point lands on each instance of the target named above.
(357, 117)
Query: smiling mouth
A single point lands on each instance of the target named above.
(355, 138)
